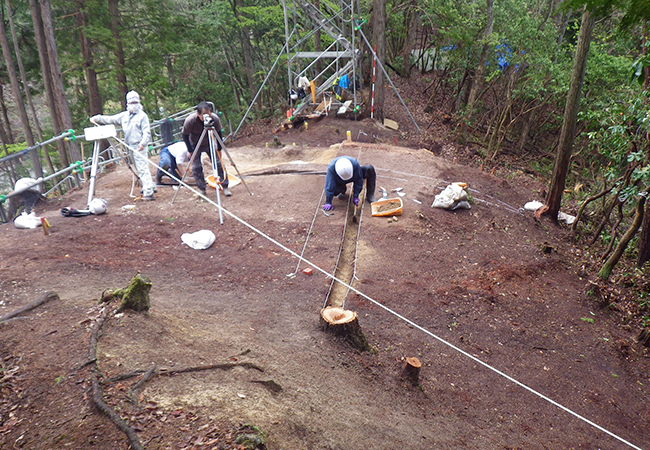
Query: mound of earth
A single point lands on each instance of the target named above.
(234, 334)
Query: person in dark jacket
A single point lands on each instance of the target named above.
(344, 170)
(192, 129)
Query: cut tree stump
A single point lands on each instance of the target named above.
(411, 370)
(135, 296)
(344, 323)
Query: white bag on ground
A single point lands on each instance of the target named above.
(452, 197)
(566, 218)
(533, 205)
(199, 240)
(27, 221)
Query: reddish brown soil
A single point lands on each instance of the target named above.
(478, 279)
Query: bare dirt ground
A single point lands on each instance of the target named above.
(478, 279)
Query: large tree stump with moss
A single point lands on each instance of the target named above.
(411, 370)
(344, 323)
(135, 296)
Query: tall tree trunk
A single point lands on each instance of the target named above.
(609, 265)
(477, 82)
(549, 12)
(379, 40)
(231, 75)
(23, 76)
(18, 98)
(564, 23)
(94, 100)
(567, 135)
(26, 88)
(7, 135)
(643, 255)
(412, 19)
(3, 120)
(118, 51)
(247, 48)
(3, 140)
(39, 34)
(60, 99)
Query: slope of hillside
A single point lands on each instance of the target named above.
(490, 281)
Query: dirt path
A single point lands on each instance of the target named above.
(476, 278)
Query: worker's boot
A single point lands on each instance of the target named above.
(370, 189)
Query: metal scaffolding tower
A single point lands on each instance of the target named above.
(341, 56)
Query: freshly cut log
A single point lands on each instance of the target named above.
(411, 370)
(344, 323)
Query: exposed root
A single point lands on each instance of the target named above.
(28, 307)
(170, 372)
(148, 374)
(226, 366)
(96, 394)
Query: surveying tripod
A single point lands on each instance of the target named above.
(215, 158)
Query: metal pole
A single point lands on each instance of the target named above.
(286, 45)
(381, 66)
(215, 173)
(354, 57)
(223, 147)
(93, 172)
(64, 135)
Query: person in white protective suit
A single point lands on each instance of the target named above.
(137, 135)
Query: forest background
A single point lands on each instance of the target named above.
(560, 85)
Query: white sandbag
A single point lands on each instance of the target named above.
(461, 204)
(533, 206)
(199, 240)
(28, 184)
(451, 197)
(566, 218)
(27, 221)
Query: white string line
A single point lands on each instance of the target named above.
(410, 322)
(308, 233)
(356, 244)
(356, 253)
(338, 257)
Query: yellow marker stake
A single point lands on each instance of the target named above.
(349, 136)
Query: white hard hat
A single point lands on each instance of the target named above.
(343, 168)
(98, 206)
(132, 97)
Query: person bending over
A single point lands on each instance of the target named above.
(344, 170)
(173, 159)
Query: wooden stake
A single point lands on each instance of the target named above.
(411, 370)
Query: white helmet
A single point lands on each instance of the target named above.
(98, 206)
(132, 97)
(343, 168)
